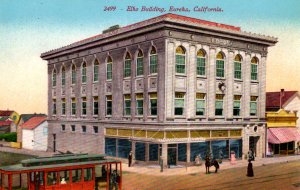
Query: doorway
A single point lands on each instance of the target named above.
(253, 144)
(172, 154)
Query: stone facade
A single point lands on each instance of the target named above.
(164, 34)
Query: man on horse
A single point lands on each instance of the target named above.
(209, 161)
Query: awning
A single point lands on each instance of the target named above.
(283, 135)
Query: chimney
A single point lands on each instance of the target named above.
(281, 96)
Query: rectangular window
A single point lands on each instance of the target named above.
(237, 70)
(63, 127)
(95, 105)
(73, 105)
(54, 78)
(95, 129)
(83, 106)
(237, 105)
(63, 106)
(76, 175)
(108, 105)
(253, 71)
(153, 64)
(200, 104)
(180, 64)
(83, 128)
(201, 66)
(73, 128)
(153, 103)
(139, 104)
(253, 105)
(220, 68)
(54, 107)
(179, 103)
(63, 77)
(64, 177)
(139, 66)
(51, 178)
(96, 72)
(87, 172)
(127, 68)
(219, 105)
(109, 71)
(127, 104)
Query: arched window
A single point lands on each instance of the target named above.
(96, 71)
(109, 68)
(254, 64)
(180, 59)
(220, 65)
(201, 62)
(83, 73)
(127, 65)
(73, 74)
(139, 64)
(63, 76)
(54, 77)
(238, 67)
(153, 60)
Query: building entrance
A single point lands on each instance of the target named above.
(172, 154)
(253, 144)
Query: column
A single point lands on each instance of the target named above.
(229, 84)
(170, 69)
(262, 87)
(211, 83)
(89, 86)
(164, 153)
(132, 84)
(133, 150)
(147, 152)
(101, 87)
(188, 152)
(247, 85)
(191, 83)
(245, 142)
(161, 66)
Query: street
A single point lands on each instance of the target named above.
(273, 176)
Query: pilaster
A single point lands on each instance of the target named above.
(211, 83)
(229, 84)
(191, 83)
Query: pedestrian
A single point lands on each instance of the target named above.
(161, 163)
(232, 158)
(221, 156)
(250, 172)
(130, 157)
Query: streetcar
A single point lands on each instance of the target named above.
(63, 172)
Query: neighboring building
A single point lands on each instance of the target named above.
(282, 132)
(6, 126)
(10, 115)
(23, 119)
(171, 85)
(35, 133)
(283, 123)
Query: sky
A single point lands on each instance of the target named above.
(31, 27)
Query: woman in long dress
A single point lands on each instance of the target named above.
(232, 158)
(250, 169)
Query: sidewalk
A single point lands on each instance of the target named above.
(182, 170)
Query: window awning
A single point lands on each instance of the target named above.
(283, 135)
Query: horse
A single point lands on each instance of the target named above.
(208, 164)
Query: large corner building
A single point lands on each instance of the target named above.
(172, 85)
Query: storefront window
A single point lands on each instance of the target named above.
(124, 147)
(153, 152)
(199, 148)
(140, 151)
(220, 149)
(182, 152)
(110, 146)
(236, 146)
